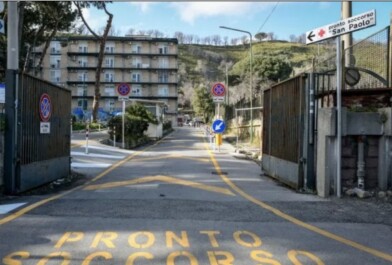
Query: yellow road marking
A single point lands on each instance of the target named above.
(292, 219)
(171, 156)
(33, 206)
(162, 179)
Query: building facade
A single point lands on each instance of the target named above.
(148, 65)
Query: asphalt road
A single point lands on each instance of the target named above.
(177, 202)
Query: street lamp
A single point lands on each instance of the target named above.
(250, 77)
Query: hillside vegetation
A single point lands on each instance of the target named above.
(206, 64)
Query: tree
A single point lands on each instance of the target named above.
(180, 37)
(203, 104)
(38, 24)
(293, 38)
(102, 41)
(271, 67)
(261, 36)
(136, 121)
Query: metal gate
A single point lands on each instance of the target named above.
(285, 131)
(34, 156)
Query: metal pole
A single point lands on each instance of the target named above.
(114, 136)
(11, 100)
(250, 76)
(227, 88)
(236, 118)
(251, 90)
(339, 115)
(87, 131)
(123, 124)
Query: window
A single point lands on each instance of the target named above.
(83, 61)
(136, 90)
(83, 48)
(55, 61)
(163, 49)
(109, 77)
(109, 47)
(55, 47)
(82, 77)
(109, 62)
(109, 105)
(163, 90)
(137, 62)
(136, 48)
(136, 77)
(82, 91)
(82, 103)
(55, 76)
(109, 90)
(163, 62)
(163, 77)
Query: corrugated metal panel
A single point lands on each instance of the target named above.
(284, 106)
(35, 146)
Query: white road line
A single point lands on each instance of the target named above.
(89, 165)
(108, 148)
(9, 207)
(73, 153)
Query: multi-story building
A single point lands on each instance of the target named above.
(148, 65)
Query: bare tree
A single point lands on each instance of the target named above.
(142, 32)
(131, 31)
(150, 32)
(180, 36)
(207, 40)
(271, 36)
(225, 40)
(302, 38)
(197, 39)
(157, 33)
(292, 38)
(244, 39)
(216, 39)
(233, 41)
(102, 41)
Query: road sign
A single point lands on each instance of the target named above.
(123, 90)
(218, 90)
(218, 126)
(2, 26)
(341, 27)
(45, 107)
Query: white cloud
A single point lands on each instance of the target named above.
(191, 11)
(143, 6)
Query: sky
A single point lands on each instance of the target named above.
(204, 18)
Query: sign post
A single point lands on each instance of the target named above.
(123, 90)
(336, 29)
(218, 92)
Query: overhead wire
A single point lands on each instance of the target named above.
(265, 21)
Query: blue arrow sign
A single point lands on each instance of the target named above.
(218, 126)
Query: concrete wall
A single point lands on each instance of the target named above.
(376, 129)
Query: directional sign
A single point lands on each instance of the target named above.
(218, 126)
(344, 26)
(45, 107)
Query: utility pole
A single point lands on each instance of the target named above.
(11, 100)
(346, 12)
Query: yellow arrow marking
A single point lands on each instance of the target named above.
(162, 179)
(171, 156)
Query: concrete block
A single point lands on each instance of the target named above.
(363, 123)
